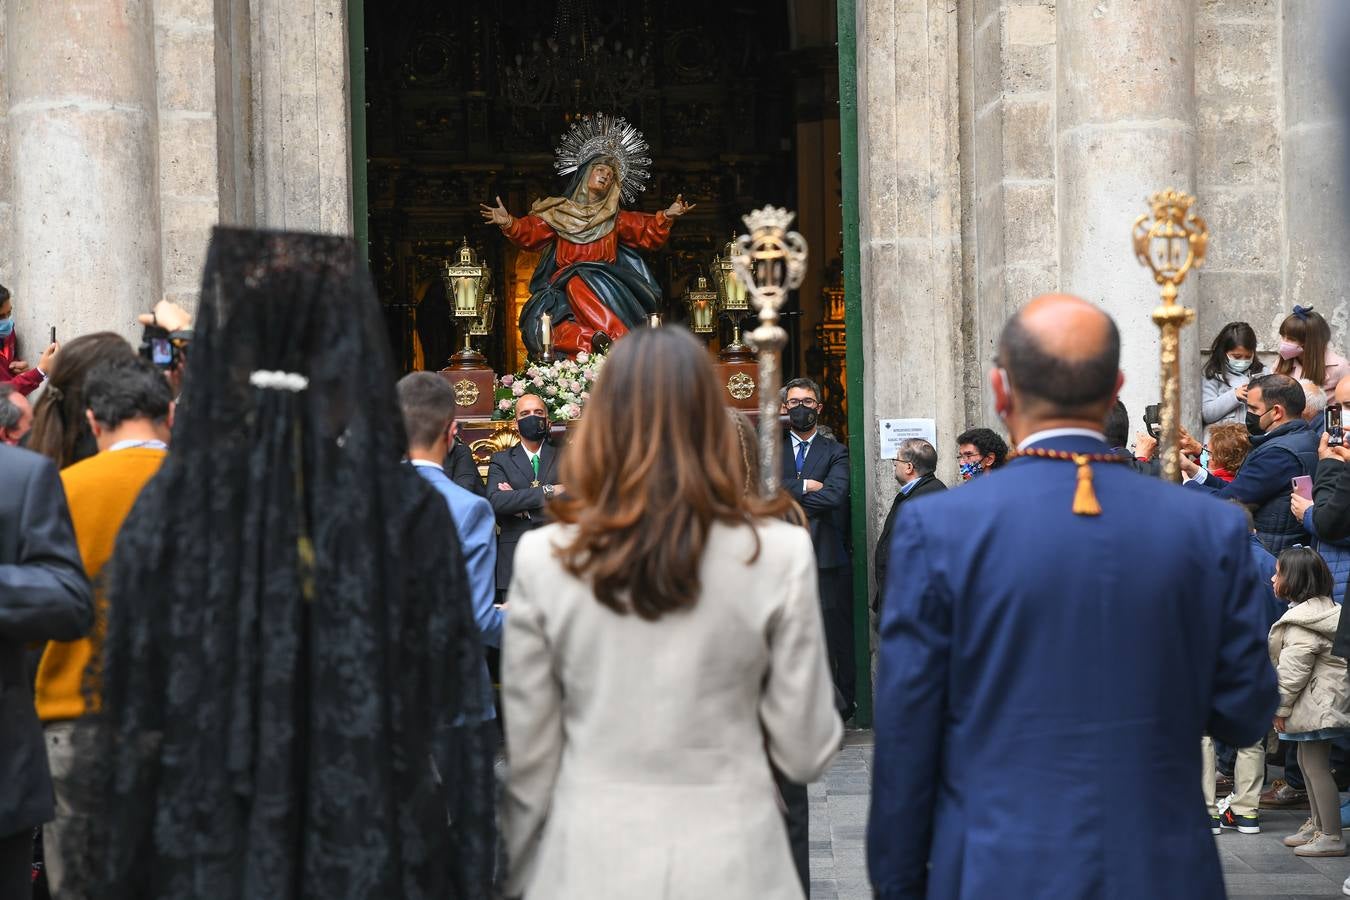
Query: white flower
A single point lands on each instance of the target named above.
(551, 390)
(583, 356)
(517, 390)
(503, 405)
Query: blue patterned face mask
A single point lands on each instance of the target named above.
(6, 328)
(971, 469)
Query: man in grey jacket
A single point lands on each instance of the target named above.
(44, 596)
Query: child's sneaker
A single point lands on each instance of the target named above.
(1243, 824)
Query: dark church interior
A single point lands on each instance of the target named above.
(466, 101)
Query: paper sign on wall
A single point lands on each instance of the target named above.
(893, 431)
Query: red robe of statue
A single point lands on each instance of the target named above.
(639, 230)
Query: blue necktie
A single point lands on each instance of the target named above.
(801, 456)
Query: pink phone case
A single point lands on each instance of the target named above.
(1302, 485)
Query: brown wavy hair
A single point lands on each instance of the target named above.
(60, 431)
(1312, 333)
(654, 463)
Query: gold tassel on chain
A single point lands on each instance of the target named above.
(1084, 497)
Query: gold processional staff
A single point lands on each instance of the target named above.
(1170, 245)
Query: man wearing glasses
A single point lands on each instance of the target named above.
(979, 451)
(815, 473)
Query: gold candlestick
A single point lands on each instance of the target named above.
(1170, 246)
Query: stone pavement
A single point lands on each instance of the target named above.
(1255, 866)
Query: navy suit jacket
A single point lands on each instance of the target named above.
(826, 510)
(1044, 682)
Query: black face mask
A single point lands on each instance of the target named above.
(802, 418)
(1254, 427)
(533, 428)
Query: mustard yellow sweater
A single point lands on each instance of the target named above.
(100, 491)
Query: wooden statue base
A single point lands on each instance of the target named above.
(740, 384)
(473, 391)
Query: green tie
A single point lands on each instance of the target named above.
(534, 464)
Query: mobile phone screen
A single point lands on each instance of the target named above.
(161, 353)
(52, 339)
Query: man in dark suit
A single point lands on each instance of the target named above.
(462, 469)
(521, 481)
(1065, 608)
(44, 596)
(915, 463)
(815, 473)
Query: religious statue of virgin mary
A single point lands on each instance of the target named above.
(590, 280)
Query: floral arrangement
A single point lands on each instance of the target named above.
(564, 386)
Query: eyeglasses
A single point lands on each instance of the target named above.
(795, 402)
(969, 455)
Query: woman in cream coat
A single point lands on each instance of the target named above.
(664, 643)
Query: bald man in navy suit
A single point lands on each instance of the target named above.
(1052, 651)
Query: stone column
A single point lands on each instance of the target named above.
(301, 120)
(909, 190)
(86, 239)
(1315, 269)
(1126, 127)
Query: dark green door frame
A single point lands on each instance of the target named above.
(356, 68)
(853, 362)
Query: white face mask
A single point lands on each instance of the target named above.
(1239, 366)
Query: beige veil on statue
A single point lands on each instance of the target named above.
(575, 217)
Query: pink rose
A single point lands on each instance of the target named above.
(538, 381)
(518, 390)
(583, 356)
(503, 405)
(508, 380)
(551, 391)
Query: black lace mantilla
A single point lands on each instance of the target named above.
(292, 669)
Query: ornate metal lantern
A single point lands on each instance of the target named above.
(701, 301)
(1170, 246)
(487, 314)
(471, 303)
(731, 293)
(466, 280)
(771, 262)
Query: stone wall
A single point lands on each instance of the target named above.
(1069, 114)
(1238, 165)
(910, 225)
(189, 171)
(301, 137)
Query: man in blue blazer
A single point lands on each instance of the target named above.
(428, 405)
(815, 472)
(1055, 639)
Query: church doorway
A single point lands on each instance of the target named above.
(465, 102)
